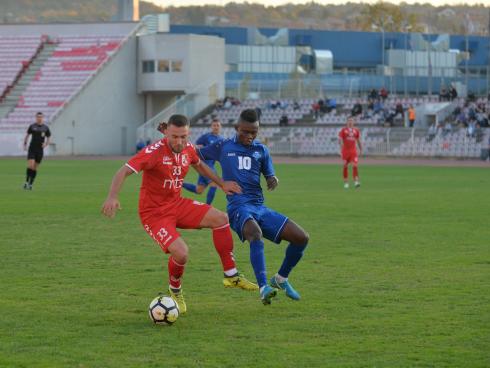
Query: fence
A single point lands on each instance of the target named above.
(352, 84)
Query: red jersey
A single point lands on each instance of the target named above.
(349, 137)
(163, 173)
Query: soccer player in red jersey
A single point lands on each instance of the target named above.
(348, 138)
(162, 209)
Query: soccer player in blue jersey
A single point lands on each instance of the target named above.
(203, 182)
(244, 160)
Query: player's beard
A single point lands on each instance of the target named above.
(177, 148)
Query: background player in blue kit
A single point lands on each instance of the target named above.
(244, 160)
(203, 182)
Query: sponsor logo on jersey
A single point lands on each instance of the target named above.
(231, 154)
(166, 160)
(256, 155)
(185, 160)
(173, 183)
(153, 147)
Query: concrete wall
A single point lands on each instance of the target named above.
(203, 62)
(103, 118)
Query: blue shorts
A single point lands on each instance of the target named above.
(271, 222)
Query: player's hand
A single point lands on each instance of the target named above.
(110, 207)
(272, 182)
(231, 187)
(25, 147)
(44, 145)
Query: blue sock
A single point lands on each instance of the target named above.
(210, 195)
(294, 253)
(257, 259)
(190, 187)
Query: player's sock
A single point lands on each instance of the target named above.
(28, 175)
(210, 195)
(33, 176)
(294, 252)
(257, 259)
(190, 187)
(223, 242)
(355, 173)
(346, 173)
(175, 272)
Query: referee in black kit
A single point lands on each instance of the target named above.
(40, 140)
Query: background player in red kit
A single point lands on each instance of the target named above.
(162, 209)
(348, 138)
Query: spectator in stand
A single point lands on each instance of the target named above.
(399, 109)
(383, 93)
(284, 120)
(356, 109)
(448, 128)
(411, 116)
(478, 133)
(373, 94)
(315, 108)
(378, 106)
(296, 105)
(453, 94)
(470, 131)
(431, 133)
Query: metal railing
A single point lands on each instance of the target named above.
(398, 81)
(187, 105)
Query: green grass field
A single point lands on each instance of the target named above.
(397, 274)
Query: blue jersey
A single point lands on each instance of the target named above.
(243, 164)
(208, 139)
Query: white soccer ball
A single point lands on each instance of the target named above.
(163, 310)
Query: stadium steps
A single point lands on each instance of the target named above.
(13, 96)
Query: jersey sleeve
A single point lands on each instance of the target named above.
(141, 161)
(211, 152)
(29, 130)
(202, 141)
(48, 133)
(341, 134)
(267, 166)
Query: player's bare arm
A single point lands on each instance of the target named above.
(272, 182)
(46, 142)
(359, 144)
(341, 144)
(111, 204)
(26, 138)
(229, 187)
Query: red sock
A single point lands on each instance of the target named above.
(355, 173)
(175, 272)
(346, 173)
(223, 242)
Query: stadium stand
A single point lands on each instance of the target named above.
(73, 62)
(16, 53)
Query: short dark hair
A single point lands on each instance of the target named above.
(178, 120)
(249, 116)
(39, 113)
(215, 120)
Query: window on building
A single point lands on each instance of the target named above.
(148, 66)
(163, 66)
(176, 66)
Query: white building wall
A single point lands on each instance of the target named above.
(103, 118)
(203, 62)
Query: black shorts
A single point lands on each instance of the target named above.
(35, 154)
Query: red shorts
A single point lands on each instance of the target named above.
(350, 157)
(162, 223)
